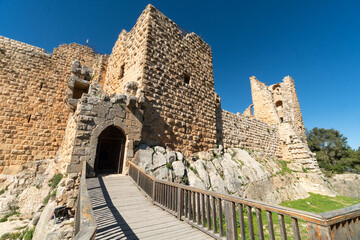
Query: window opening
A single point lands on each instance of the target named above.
(186, 78)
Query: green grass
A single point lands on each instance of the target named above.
(26, 234)
(6, 217)
(194, 170)
(55, 180)
(317, 203)
(169, 166)
(3, 191)
(284, 168)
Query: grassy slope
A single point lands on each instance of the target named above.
(317, 203)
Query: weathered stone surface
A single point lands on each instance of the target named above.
(161, 173)
(42, 228)
(145, 158)
(179, 169)
(179, 156)
(206, 156)
(159, 149)
(346, 184)
(158, 160)
(170, 156)
(195, 181)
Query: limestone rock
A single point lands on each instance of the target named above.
(195, 181)
(346, 184)
(159, 149)
(200, 167)
(179, 170)
(206, 156)
(158, 160)
(145, 158)
(170, 156)
(161, 173)
(179, 156)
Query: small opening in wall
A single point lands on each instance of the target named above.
(279, 104)
(29, 118)
(281, 120)
(186, 78)
(41, 85)
(122, 70)
(79, 90)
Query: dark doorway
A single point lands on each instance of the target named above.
(110, 151)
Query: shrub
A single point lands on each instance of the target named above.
(169, 166)
(55, 180)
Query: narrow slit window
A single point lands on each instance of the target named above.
(186, 78)
(41, 85)
(122, 70)
(29, 118)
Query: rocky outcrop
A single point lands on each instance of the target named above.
(28, 197)
(346, 184)
(235, 171)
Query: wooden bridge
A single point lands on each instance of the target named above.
(123, 212)
(129, 207)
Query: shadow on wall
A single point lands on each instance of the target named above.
(154, 124)
(219, 127)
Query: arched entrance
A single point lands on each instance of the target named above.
(110, 151)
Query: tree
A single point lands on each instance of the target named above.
(332, 151)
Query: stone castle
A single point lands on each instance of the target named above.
(155, 88)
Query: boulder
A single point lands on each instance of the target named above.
(170, 156)
(145, 158)
(159, 149)
(195, 181)
(179, 170)
(179, 156)
(200, 167)
(161, 173)
(158, 160)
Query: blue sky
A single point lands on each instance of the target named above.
(315, 42)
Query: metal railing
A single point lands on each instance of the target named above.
(221, 215)
(85, 225)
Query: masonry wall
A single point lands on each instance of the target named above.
(127, 59)
(297, 119)
(247, 132)
(32, 91)
(179, 115)
(264, 108)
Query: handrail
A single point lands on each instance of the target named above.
(85, 224)
(202, 209)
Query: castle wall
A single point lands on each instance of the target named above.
(179, 85)
(33, 112)
(241, 131)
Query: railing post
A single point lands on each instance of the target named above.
(153, 190)
(317, 232)
(180, 203)
(138, 177)
(230, 220)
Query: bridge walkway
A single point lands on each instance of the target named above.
(123, 212)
